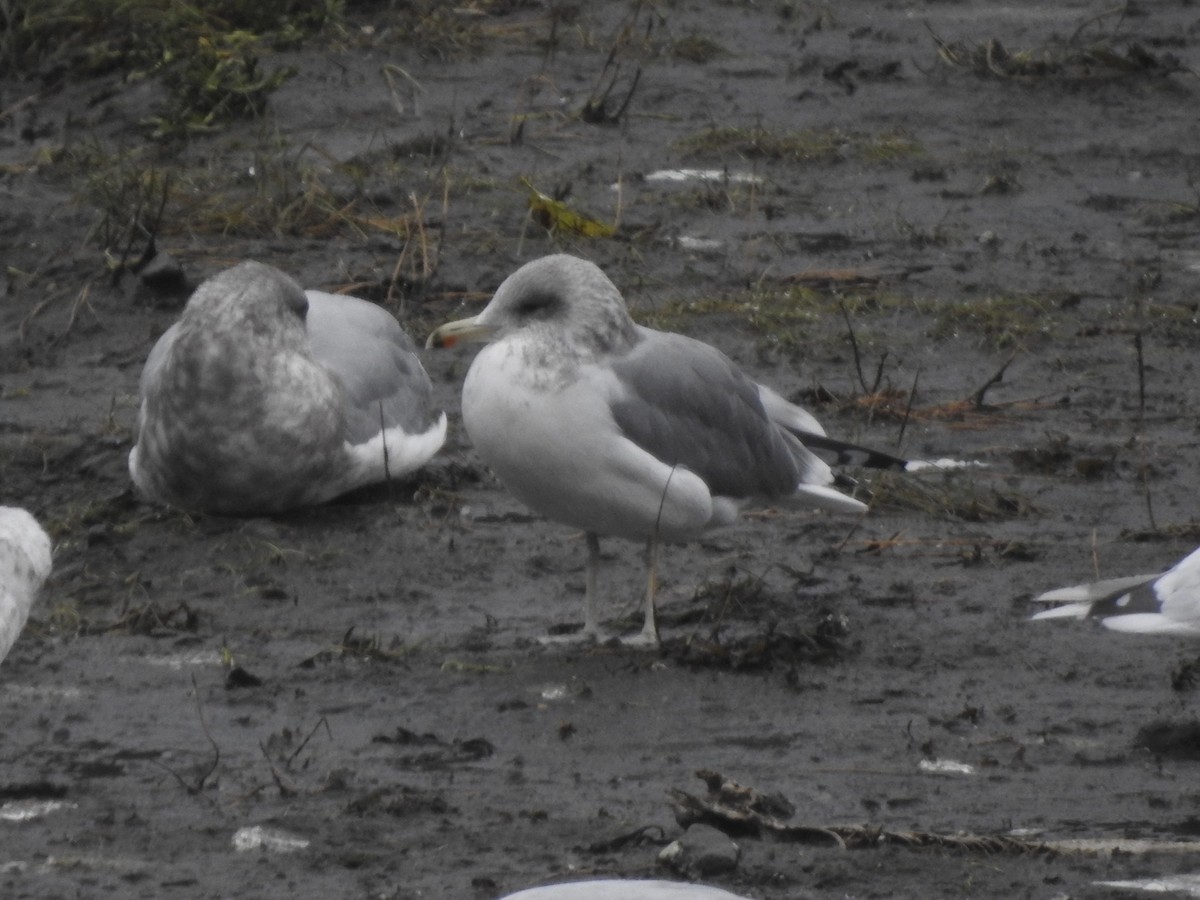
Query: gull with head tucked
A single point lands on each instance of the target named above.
(617, 429)
(264, 397)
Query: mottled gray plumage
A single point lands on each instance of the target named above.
(617, 429)
(262, 398)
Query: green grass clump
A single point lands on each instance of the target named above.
(754, 310)
(92, 37)
(288, 192)
(1000, 321)
(784, 316)
(758, 143)
(218, 80)
(441, 30)
(889, 147)
(947, 497)
(206, 55)
(696, 48)
(807, 146)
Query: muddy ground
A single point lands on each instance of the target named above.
(995, 186)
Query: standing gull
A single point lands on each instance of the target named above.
(616, 429)
(264, 397)
(1164, 603)
(24, 566)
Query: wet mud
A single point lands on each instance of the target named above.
(958, 230)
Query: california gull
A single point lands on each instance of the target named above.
(24, 566)
(265, 397)
(1163, 603)
(617, 429)
(617, 889)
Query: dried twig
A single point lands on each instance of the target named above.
(854, 347)
(1141, 367)
(745, 812)
(285, 790)
(994, 380)
(308, 737)
(912, 395)
(1144, 467)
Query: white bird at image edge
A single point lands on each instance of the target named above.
(24, 566)
(1162, 603)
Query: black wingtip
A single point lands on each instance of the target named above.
(843, 453)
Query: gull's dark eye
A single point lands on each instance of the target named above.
(537, 305)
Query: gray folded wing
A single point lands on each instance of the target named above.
(157, 358)
(376, 362)
(688, 404)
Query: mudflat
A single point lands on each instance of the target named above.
(951, 230)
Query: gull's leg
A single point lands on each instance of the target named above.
(647, 637)
(649, 633)
(591, 617)
(591, 603)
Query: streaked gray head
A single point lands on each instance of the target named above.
(251, 295)
(565, 298)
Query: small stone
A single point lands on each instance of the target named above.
(700, 852)
(162, 282)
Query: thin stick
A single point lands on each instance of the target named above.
(912, 396)
(994, 380)
(853, 346)
(1146, 489)
(637, 76)
(849, 534)
(879, 373)
(1120, 10)
(81, 300)
(304, 743)
(1141, 365)
(6, 114)
(285, 790)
